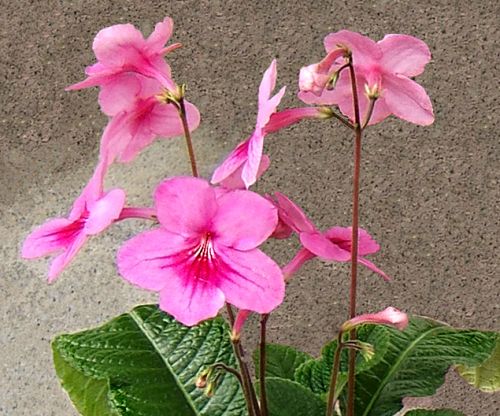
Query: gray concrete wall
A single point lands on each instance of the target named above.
(429, 195)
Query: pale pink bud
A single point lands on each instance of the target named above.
(314, 78)
(389, 316)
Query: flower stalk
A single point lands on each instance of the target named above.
(187, 135)
(355, 235)
(333, 380)
(262, 365)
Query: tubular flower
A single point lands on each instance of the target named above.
(335, 244)
(205, 252)
(138, 116)
(92, 213)
(389, 316)
(383, 71)
(122, 49)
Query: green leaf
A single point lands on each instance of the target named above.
(281, 360)
(286, 398)
(89, 395)
(415, 364)
(151, 362)
(316, 374)
(436, 412)
(485, 377)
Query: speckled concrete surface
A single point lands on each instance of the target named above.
(429, 195)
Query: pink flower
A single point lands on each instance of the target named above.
(315, 78)
(138, 117)
(247, 156)
(389, 316)
(122, 49)
(383, 69)
(205, 252)
(332, 245)
(91, 214)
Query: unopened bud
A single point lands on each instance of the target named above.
(201, 381)
(366, 350)
(210, 389)
(372, 92)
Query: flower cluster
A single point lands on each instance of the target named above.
(204, 252)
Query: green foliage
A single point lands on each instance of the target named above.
(145, 363)
(486, 376)
(316, 374)
(286, 398)
(281, 361)
(415, 364)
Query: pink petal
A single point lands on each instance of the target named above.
(191, 301)
(292, 215)
(104, 211)
(267, 84)
(323, 247)
(234, 180)
(160, 36)
(139, 138)
(164, 119)
(342, 236)
(52, 236)
(61, 261)
(120, 93)
(373, 268)
(389, 316)
(185, 205)
(296, 263)
(269, 108)
(151, 258)
(118, 44)
(405, 55)
(407, 100)
(251, 166)
(240, 320)
(365, 51)
(314, 78)
(249, 279)
(291, 116)
(233, 162)
(244, 220)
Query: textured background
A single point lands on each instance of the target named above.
(429, 195)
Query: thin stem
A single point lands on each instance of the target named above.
(343, 120)
(230, 314)
(355, 226)
(137, 212)
(262, 365)
(230, 370)
(333, 380)
(248, 391)
(187, 135)
(369, 112)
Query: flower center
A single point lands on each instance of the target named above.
(205, 251)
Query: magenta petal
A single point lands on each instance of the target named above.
(342, 236)
(244, 220)
(303, 256)
(120, 93)
(373, 268)
(292, 215)
(191, 301)
(291, 116)
(323, 247)
(52, 236)
(250, 279)
(160, 35)
(185, 205)
(118, 44)
(151, 258)
(164, 119)
(407, 100)
(233, 162)
(251, 167)
(365, 50)
(63, 259)
(234, 180)
(104, 211)
(405, 55)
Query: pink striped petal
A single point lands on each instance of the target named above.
(323, 247)
(250, 279)
(244, 220)
(185, 205)
(365, 51)
(233, 162)
(342, 236)
(63, 259)
(254, 157)
(234, 180)
(292, 215)
(160, 35)
(52, 236)
(118, 44)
